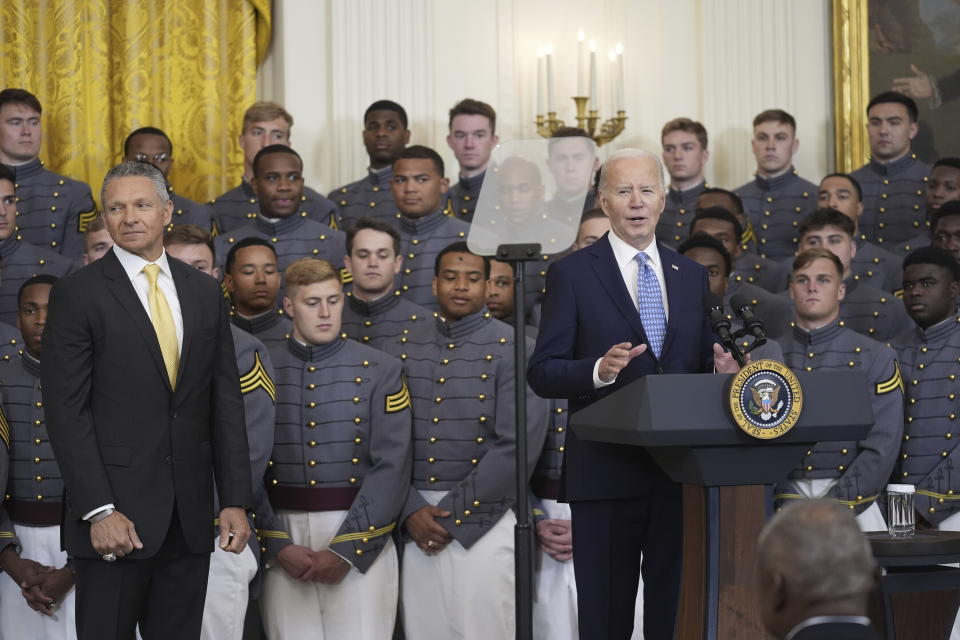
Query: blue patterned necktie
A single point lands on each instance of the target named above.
(651, 303)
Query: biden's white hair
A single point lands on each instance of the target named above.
(622, 154)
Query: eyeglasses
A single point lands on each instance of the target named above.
(157, 159)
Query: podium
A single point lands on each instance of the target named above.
(685, 424)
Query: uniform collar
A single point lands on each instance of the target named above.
(380, 305)
(679, 196)
(317, 352)
(26, 170)
(893, 168)
(775, 184)
(422, 225)
(941, 330)
(817, 336)
(380, 177)
(30, 364)
(472, 183)
(280, 227)
(465, 325)
(257, 324)
(9, 246)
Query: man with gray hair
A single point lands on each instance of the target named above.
(815, 571)
(144, 413)
(623, 308)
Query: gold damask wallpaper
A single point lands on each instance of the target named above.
(102, 68)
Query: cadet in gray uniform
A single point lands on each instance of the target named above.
(339, 473)
(713, 255)
(252, 279)
(278, 181)
(30, 517)
(777, 199)
(375, 313)
(928, 356)
(458, 566)
(894, 182)
(264, 123)
(574, 164)
(720, 224)
(53, 210)
(472, 138)
(852, 473)
(230, 575)
(763, 272)
(863, 308)
(943, 187)
(385, 135)
(149, 144)
(419, 187)
(945, 225)
(19, 259)
(684, 156)
(96, 241)
(871, 264)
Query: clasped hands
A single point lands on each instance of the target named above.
(306, 565)
(426, 532)
(619, 356)
(41, 586)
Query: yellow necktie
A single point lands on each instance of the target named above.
(162, 319)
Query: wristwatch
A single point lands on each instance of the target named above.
(101, 515)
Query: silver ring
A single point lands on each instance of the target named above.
(52, 607)
(431, 544)
(109, 557)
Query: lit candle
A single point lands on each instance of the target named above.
(549, 51)
(612, 55)
(581, 63)
(622, 77)
(593, 72)
(541, 87)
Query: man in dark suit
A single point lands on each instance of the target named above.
(144, 413)
(620, 309)
(815, 572)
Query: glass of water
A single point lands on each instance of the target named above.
(901, 521)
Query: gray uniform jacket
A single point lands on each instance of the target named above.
(11, 342)
(238, 207)
(368, 197)
(270, 327)
(775, 208)
(873, 312)
(763, 272)
(928, 453)
(462, 197)
(894, 200)
(20, 261)
(464, 431)
(674, 224)
(420, 242)
(34, 485)
(776, 311)
(186, 211)
(391, 324)
(54, 210)
(877, 267)
(862, 469)
(342, 443)
(293, 238)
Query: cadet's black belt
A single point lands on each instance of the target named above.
(545, 488)
(312, 498)
(35, 513)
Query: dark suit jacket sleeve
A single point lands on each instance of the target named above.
(66, 374)
(231, 458)
(707, 337)
(553, 372)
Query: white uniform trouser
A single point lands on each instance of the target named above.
(17, 620)
(555, 596)
(870, 520)
(360, 607)
(461, 594)
(228, 591)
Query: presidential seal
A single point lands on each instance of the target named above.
(766, 399)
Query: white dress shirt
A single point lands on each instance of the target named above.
(626, 257)
(133, 266)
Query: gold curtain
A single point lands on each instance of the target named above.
(102, 68)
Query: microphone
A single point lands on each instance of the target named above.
(713, 305)
(752, 323)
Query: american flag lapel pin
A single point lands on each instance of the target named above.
(675, 267)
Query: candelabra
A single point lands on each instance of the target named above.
(586, 120)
